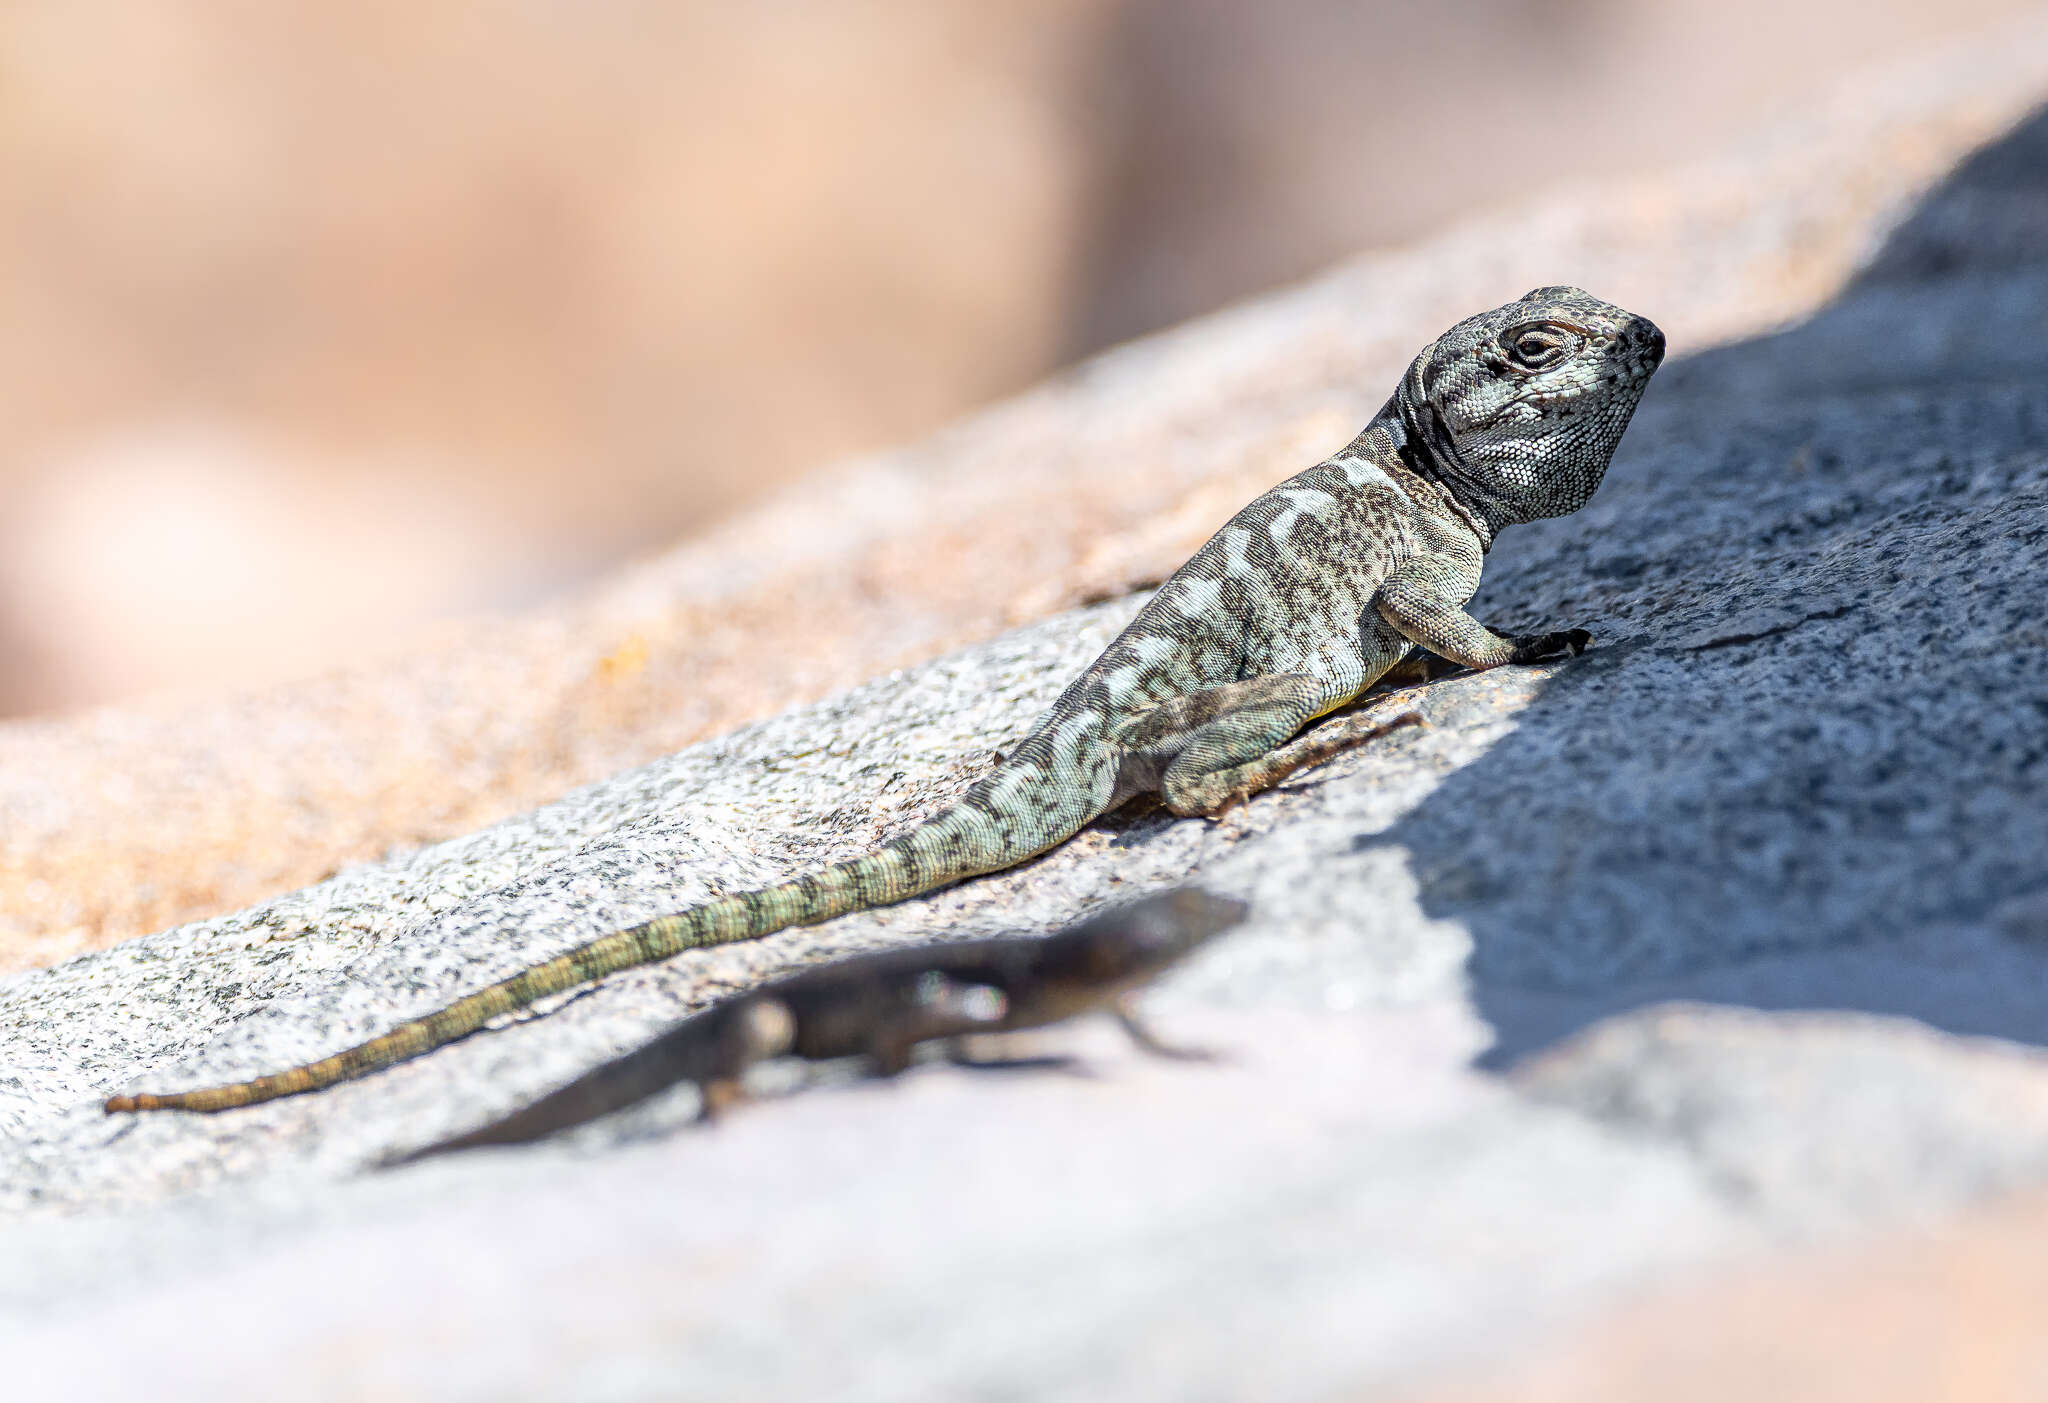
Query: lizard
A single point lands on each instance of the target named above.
(881, 1005)
(1291, 611)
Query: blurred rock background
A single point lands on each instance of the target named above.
(320, 322)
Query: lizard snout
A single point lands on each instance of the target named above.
(1654, 342)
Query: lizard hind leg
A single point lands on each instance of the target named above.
(1205, 750)
(1170, 746)
(1191, 789)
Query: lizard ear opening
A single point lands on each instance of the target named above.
(1417, 379)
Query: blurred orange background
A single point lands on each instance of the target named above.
(321, 321)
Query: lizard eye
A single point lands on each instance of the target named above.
(1537, 346)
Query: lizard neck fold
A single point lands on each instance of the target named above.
(1426, 449)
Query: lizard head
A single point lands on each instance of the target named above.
(1518, 410)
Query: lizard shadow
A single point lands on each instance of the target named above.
(1808, 769)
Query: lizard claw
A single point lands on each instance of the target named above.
(1535, 647)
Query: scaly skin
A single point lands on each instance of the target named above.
(1290, 611)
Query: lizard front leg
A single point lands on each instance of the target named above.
(1418, 601)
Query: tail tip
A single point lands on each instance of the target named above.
(142, 1101)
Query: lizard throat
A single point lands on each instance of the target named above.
(1427, 450)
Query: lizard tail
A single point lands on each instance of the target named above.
(964, 840)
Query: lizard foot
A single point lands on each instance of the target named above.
(1535, 647)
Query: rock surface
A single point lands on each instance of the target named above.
(135, 818)
(1806, 769)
